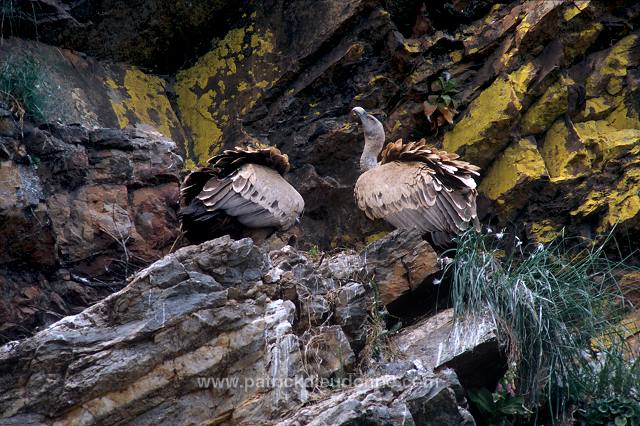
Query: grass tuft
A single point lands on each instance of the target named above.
(549, 303)
(23, 85)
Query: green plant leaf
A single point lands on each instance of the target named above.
(513, 406)
(484, 401)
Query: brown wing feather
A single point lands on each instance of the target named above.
(412, 194)
(451, 171)
(256, 195)
(239, 185)
(227, 163)
(231, 160)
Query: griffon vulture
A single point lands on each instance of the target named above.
(241, 187)
(415, 185)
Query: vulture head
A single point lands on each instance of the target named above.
(373, 138)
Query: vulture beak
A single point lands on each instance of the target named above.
(359, 111)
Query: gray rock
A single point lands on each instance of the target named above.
(155, 341)
(413, 398)
(352, 305)
(202, 336)
(97, 204)
(327, 352)
(470, 347)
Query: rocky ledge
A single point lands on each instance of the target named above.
(224, 332)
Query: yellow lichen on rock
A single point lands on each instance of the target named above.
(574, 9)
(544, 231)
(456, 56)
(623, 118)
(584, 148)
(224, 83)
(611, 71)
(598, 108)
(482, 132)
(606, 141)
(195, 101)
(577, 43)
(624, 201)
(619, 205)
(595, 200)
(375, 237)
(141, 98)
(547, 108)
(519, 164)
(565, 157)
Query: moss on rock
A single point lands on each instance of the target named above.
(547, 108)
(224, 83)
(544, 231)
(612, 68)
(141, 98)
(580, 149)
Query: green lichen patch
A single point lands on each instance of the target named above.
(484, 131)
(141, 98)
(547, 108)
(580, 149)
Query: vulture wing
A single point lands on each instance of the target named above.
(412, 195)
(257, 196)
(241, 187)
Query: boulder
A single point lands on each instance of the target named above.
(414, 398)
(327, 352)
(512, 176)
(470, 347)
(399, 263)
(485, 130)
(75, 89)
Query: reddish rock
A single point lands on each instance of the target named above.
(400, 263)
(79, 211)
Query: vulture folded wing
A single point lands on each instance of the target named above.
(257, 196)
(410, 195)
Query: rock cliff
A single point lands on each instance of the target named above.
(80, 211)
(108, 317)
(543, 95)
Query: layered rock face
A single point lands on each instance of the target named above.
(224, 333)
(73, 88)
(80, 210)
(546, 94)
(543, 95)
(157, 35)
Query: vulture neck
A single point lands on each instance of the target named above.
(373, 143)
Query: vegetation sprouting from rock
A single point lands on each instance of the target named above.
(557, 310)
(23, 87)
